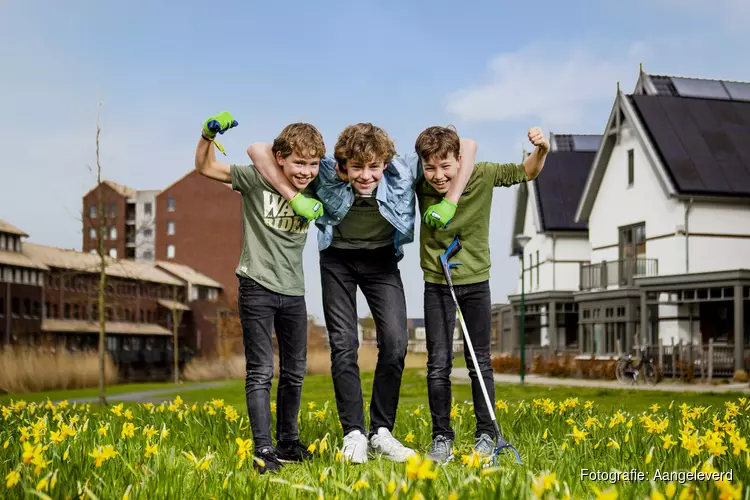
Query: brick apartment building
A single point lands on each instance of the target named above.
(195, 222)
(199, 224)
(48, 295)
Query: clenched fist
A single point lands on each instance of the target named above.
(536, 137)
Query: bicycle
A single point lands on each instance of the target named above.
(628, 373)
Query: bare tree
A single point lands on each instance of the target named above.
(176, 313)
(102, 265)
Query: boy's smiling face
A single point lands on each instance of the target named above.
(440, 172)
(365, 175)
(299, 169)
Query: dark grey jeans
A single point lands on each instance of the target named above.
(377, 275)
(261, 312)
(440, 321)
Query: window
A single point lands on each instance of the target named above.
(170, 227)
(2, 242)
(93, 250)
(537, 269)
(92, 211)
(632, 248)
(170, 204)
(16, 244)
(113, 233)
(15, 306)
(631, 168)
(147, 208)
(112, 209)
(148, 233)
(92, 233)
(148, 255)
(2, 306)
(170, 251)
(113, 253)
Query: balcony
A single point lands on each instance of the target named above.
(616, 273)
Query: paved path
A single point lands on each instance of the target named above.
(462, 375)
(153, 396)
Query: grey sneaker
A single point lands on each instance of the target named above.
(441, 451)
(484, 445)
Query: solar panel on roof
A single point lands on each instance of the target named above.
(563, 142)
(739, 91)
(691, 87)
(586, 142)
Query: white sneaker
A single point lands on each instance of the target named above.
(355, 447)
(388, 446)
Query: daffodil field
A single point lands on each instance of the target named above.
(204, 450)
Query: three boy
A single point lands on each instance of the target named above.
(271, 281)
(368, 195)
(439, 151)
(369, 215)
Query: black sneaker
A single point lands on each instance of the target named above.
(292, 451)
(266, 460)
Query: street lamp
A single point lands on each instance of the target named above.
(522, 240)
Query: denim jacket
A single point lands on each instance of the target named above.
(395, 195)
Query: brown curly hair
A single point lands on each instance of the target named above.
(301, 138)
(438, 143)
(364, 142)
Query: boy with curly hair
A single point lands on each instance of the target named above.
(271, 281)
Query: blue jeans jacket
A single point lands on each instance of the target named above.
(395, 196)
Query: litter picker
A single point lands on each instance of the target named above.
(452, 250)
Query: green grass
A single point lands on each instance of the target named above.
(542, 431)
(59, 395)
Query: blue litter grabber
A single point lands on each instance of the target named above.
(450, 252)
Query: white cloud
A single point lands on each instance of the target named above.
(557, 87)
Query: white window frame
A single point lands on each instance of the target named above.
(170, 227)
(170, 251)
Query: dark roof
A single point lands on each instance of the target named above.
(704, 142)
(559, 188)
(679, 86)
(574, 142)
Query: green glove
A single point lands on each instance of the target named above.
(218, 124)
(308, 208)
(440, 214)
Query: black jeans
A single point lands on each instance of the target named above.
(440, 321)
(261, 312)
(377, 275)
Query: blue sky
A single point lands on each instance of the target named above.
(490, 68)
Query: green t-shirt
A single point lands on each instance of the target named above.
(274, 236)
(471, 223)
(363, 226)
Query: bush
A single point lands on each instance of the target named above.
(33, 369)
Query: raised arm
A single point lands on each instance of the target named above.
(440, 214)
(534, 164)
(465, 169)
(261, 154)
(205, 157)
(262, 157)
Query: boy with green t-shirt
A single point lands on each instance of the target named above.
(271, 281)
(438, 149)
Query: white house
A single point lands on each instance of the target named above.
(667, 202)
(556, 248)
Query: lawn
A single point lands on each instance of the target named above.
(196, 446)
